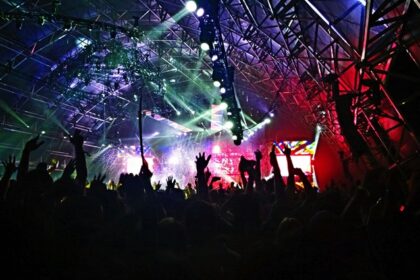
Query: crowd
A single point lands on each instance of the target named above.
(260, 229)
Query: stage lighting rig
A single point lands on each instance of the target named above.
(211, 40)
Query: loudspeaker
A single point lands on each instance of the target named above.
(345, 119)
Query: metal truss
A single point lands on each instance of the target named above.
(376, 114)
(382, 36)
(277, 47)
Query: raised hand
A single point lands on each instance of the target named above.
(97, 184)
(9, 165)
(287, 151)
(242, 164)
(145, 171)
(77, 139)
(273, 158)
(69, 169)
(33, 144)
(53, 167)
(158, 185)
(201, 161)
(170, 183)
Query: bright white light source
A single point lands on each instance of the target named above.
(175, 158)
(200, 12)
(223, 90)
(228, 125)
(223, 106)
(217, 84)
(303, 162)
(214, 57)
(271, 114)
(133, 164)
(216, 149)
(178, 113)
(204, 46)
(43, 132)
(191, 6)
(267, 120)
(234, 137)
(318, 127)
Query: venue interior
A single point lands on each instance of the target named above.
(210, 139)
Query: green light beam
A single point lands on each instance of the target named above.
(98, 154)
(54, 120)
(157, 31)
(8, 110)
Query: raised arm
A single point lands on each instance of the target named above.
(258, 157)
(291, 178)
(146, 176)
(77, 140)
(278, 180)
(242, 169)
(30, 146)
(201, 164)
(251, 178)
(309, 190)
(9, 169)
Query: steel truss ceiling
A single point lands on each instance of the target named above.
(283, 51)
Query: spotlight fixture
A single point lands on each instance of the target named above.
(191, 6)
(223, 75)
(228, 125)
(205, 47)
(319, 127)
(223, 106)
(267, 120)
(237, 141)
(200, 12)
(271, 114)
